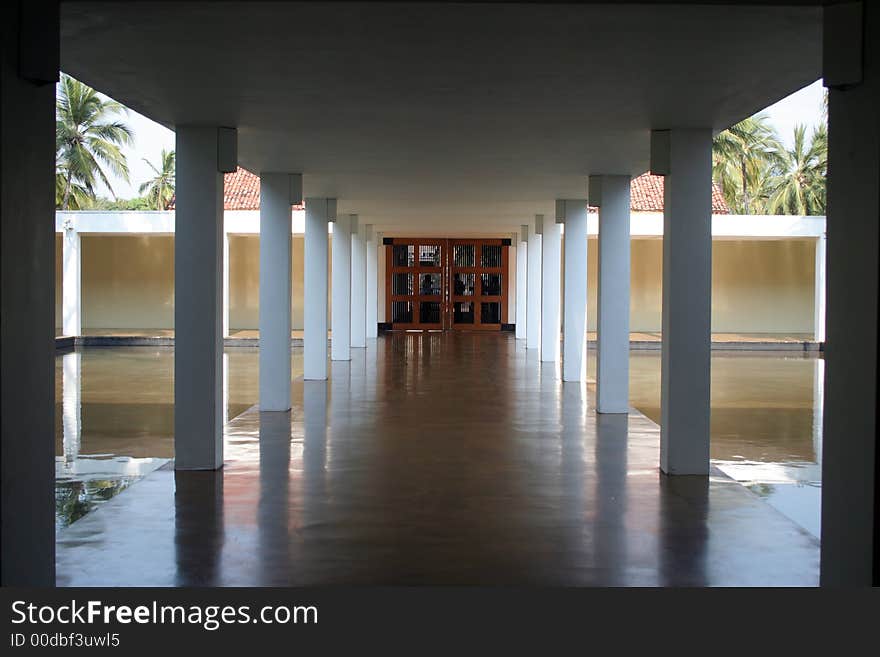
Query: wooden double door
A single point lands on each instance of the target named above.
(446, 284)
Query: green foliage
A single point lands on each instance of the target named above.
(141, 203)
(88, 138)
(758, 175)
(742, 157)
(800, 184)
(160, 188)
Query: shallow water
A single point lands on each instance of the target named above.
(766, 422)
(114, 417)
(114, 420)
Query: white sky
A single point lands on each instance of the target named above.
(804, 106)
(149, 140)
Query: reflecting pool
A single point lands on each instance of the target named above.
(766, 422)
(114, 417)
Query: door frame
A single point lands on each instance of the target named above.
(447, 269)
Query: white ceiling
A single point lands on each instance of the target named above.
(466, 115)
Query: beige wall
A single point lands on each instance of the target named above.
(757, 286)
(244, 282)
(764, 286)
(128, 281)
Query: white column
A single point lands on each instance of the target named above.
(318, 212)
(819, 291)
(358, 284)
(850, 466)
(278, 191)
(380, 279)
(611, 194)
(684, 156)
(203, 155)
(818, 406)
(225, 284)
(71, 280)
(533, 298)
(522, 277)
(574, 328)
(372, 282)
(551, 271)
(340, 315)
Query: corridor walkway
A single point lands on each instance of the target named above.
(437, 459)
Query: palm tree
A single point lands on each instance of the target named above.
(800, 184)
(87, 139)
(743, 156)
(78, 197)
(159, 190)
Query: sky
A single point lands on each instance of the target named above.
(149, 140)
(804, 106)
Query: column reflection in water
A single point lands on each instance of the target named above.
(71, 408)
(818, 407)
(273, 507)
(198, 527)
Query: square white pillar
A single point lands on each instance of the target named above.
(203, 155)
(358, 284)
(278, 191)
(684, 156)
(340, 315)
(533, 295)
(71, 280)
(225, 284)
(315, 282)
(551, 280)
(574, 329)
(611, 194)
(372, 282)
(522, 277)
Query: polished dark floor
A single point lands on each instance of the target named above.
(437, 459)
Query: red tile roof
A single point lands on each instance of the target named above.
(647, 195)
(242, 192)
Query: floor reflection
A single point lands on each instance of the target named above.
(273, 507)
(766, 422)
(473, 465)
(684, 531)
(611, 493)
(115, 418)
(198, 527)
